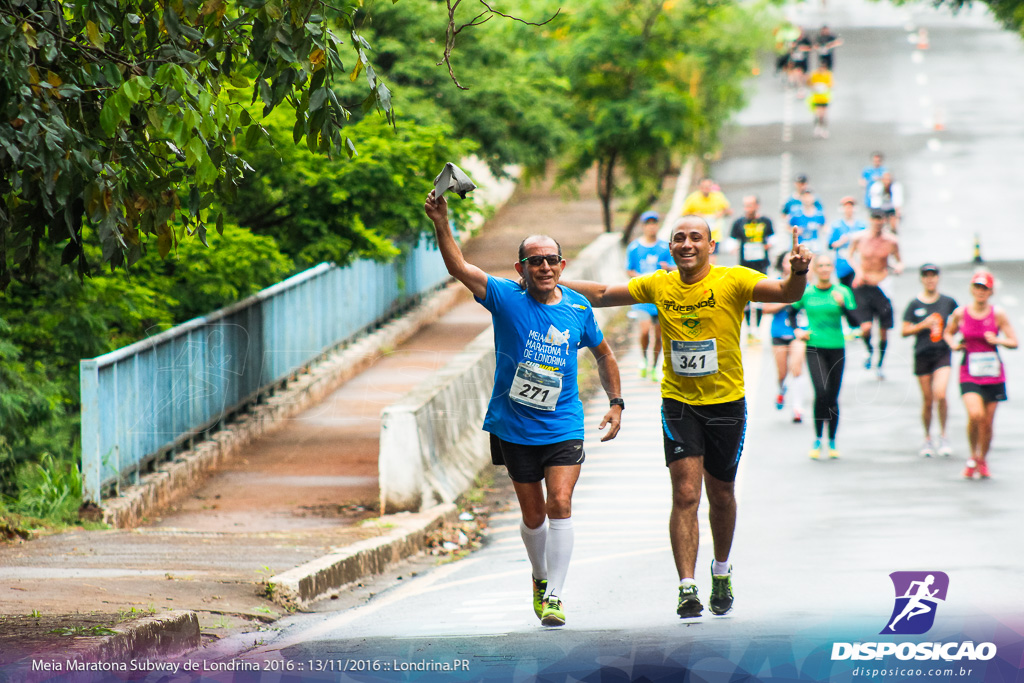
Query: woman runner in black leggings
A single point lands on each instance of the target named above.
(826, 303)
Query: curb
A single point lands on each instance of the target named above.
(307, 583)
(159, 636)
(188, 470)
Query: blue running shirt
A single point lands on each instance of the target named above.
(536, 346)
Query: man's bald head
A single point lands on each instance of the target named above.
(540, 240)
(689, 222)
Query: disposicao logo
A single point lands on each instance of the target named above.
(918, 595)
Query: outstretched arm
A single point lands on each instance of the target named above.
(608, 370)
(466, 273)
(601, 295)
(792, 288)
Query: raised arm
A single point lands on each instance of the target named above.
(601, 295)
(608, 370)
(793, 285)
(466, 273)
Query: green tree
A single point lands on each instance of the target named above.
(112, 110)
(515, 104)
(320, 209)
(651, 80)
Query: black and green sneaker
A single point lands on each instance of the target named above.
(721, 592)
(689, 603)
(540, 586)
(553, 614)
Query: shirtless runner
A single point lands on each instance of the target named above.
(871, 284)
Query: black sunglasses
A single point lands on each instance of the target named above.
(552, 259)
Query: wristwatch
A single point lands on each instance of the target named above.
(617, 402)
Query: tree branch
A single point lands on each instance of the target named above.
(451, 31)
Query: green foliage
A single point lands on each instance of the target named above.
(651, 80)
(113, 110)
(1010, 13)
(515, 105)
(320, 209)
(50, 489)
(237, 264)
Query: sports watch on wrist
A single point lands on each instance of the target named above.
(617, 402)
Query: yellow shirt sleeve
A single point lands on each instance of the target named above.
(643, 288)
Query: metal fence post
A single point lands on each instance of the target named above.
(91, 456)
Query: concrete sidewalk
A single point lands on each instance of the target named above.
(306, 491)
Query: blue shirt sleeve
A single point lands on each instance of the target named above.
(591, 335)
(497, 290)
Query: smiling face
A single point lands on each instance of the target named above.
(691, 244)
(543, 278)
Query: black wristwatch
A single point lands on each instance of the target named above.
(617, 402)
(801, 272)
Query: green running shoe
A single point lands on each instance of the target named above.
(721, 593)
(540, 586)
(689, 603)
(553, 614)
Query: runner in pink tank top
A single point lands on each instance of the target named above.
(983, 328)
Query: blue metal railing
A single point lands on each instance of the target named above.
(143, 400)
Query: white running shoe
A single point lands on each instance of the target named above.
(927, 450)
(945, 450)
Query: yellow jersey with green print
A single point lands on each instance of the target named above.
(700, 331)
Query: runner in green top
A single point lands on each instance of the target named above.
(826, 303)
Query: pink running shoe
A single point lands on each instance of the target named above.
(970, 469)
(983, 469)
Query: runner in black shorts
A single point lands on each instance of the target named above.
(926, 317)
(526, 464)
(703, 405)
(535, 416)
(873, 303)
(715, 431)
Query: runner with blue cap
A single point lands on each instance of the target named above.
(646, 255)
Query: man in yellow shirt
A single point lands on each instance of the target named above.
(712, 206)
(703, 405)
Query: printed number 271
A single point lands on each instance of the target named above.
(525, 393)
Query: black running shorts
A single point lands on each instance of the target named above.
(928, 361)
(526, 463)
(990, 393)
(873, 303)
(713, 431)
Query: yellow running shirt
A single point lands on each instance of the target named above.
(707, 206)
(700, 331)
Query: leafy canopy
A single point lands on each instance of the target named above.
(119, 117)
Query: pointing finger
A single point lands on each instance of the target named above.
(795, 240)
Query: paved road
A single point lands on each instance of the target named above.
(816, 541)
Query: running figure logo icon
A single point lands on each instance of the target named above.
(917, 595)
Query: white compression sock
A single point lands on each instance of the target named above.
(561, 537)
(720, 568)
(535, 540)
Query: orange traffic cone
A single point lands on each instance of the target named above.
(922, 39)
